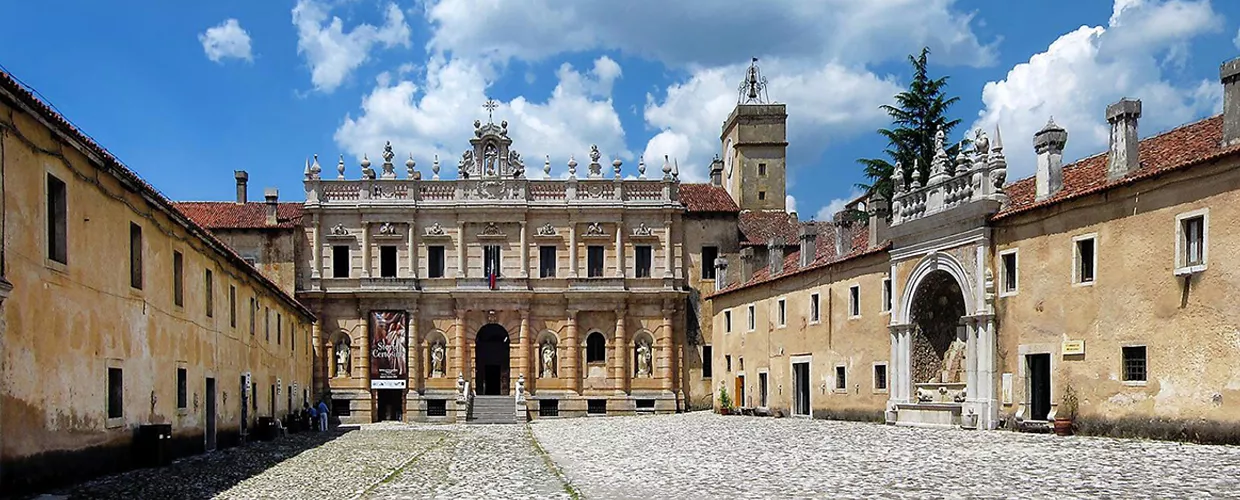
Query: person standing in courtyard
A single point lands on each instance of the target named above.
(322, 415)
(314, 416)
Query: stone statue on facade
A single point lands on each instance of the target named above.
(644, 358)
(467, 161)
(548, 360)
(342, 359)
(437, 359)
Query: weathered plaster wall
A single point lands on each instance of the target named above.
(1191, 327)
(717, 230)
(857, 343)
(275, 250)
(68, 323)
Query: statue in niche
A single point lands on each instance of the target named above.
(437, 358)
(548, 360)
(644, 361)
(342, 359)
(490, 156)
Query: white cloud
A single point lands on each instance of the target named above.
(435, 116)
(708, 32)
(225, 41)
(1236, 41)
(331, 52)
(827, 212)
(790, 203)
(1084, 70)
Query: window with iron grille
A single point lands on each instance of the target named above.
(841, 381)
(880, 377)
(436, 407)
(548, 407)
(645, 404)
(596, 407)
(1135, 364)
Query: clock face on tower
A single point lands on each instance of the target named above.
(727, 159)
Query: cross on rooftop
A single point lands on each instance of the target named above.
(490, 106)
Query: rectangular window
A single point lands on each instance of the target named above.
(135, 256)
(340, 261)
(762, 389)
(116, 393)
(254, 398)
(209, 288)
(709, 254)
(854, 300)
(594, 261)
(727, 359)
(814, 316)
(727, 321)
(491, 260)
(232, 306)
(706, 361)
(1134, 364)
(752, 320)
(178, 278)
(782, 312)
(880, 377)
(279, 328)
(387, 261)
(886, 294)
(253, 311)
(841, 381)
(1085, 260)
(267, 323)
(762, 169)
(182, 402)
(642, 261)
(434, 261)
(57, 220)
(761, 195)
(1194, 240)
(546, 262)
(1009, 272)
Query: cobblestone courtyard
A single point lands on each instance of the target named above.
(698, 455)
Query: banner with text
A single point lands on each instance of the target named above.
(389, 351)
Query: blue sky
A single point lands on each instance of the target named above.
(185, 93)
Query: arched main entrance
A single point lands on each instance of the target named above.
(938, 343)
(491, 360)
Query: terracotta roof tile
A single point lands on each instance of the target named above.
(706, 198)
(824, 256)
(757, 228)
(1178, 148)
(229, 215)
(110, 163)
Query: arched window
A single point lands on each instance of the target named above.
(596, 348)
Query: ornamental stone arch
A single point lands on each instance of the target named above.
(643, 352)
(437, 348)
(937, 261)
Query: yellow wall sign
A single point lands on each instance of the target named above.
(1071, 347)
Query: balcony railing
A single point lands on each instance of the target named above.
(495, 190)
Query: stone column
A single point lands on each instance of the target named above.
(456, 362)
(620, 249)
(362, 364)
(989, 418)
(316, 250)
(525, 252)
(461, 250)
(906, 367)
(413, 250)
(667, 249)
(366, 249)
(523, 343)
(414, 344)
(665, 354)
(571, 361)
(323, 369)
(970, 359)
(572, 249)
(619, 350)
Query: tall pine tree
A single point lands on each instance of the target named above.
(919, 112)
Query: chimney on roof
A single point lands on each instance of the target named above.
(721, 273)
(242, 179)
(809, 243)
(272, 197)
(843, 238)
(775, 255)
(746, 264)
(879, 210)
(716, 172)
(1229, 73)
(1048, 143)
(1123, 158)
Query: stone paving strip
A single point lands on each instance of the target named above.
(702, 455)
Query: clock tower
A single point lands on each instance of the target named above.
(755, 145)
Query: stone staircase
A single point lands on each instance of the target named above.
(492, 410)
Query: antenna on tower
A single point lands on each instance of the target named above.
(753, 88)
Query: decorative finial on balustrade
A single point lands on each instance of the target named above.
(676, 170)
(340, 168)
(667, 168)
(572, 166)
(897, 179)
(435, 168)
(367, 172)
(641, 167)
(389, 170)
(409, 164)
(998, 164)
(916, 171)
(316, 169)
(615, 165)
(547, 167)
(998, 146)
(307, 172)
(963, 162)
(595, 169)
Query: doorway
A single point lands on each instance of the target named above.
(800, 388)
(762, 390)
(491, 360)
(389, 404)
(740, 391)
(245, 405)
(1039, 366)
(210, 414)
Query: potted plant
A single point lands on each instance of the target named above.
(725, 402)
(1066, 412)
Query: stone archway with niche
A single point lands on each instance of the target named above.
(643, 355)
(942, 349)
(437, 352)
(341, 355)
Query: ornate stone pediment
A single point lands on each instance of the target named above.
(643, 231)
(388, 230)
(435, 231)
(595, 230)
(339, 232)
(546, 230)
(491, 231)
